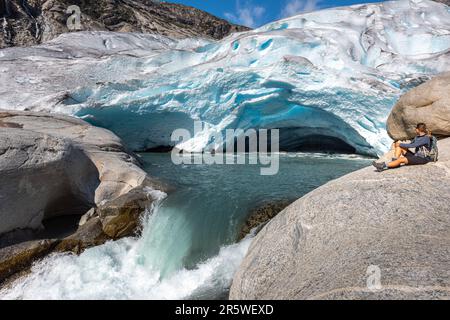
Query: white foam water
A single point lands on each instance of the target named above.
(117, 270)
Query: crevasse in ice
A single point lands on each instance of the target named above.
(331, 75)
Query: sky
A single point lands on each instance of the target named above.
(255, 13)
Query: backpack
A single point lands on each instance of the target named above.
(433, 151)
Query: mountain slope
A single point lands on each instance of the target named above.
(30, 22)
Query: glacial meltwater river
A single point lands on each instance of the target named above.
(188, 247)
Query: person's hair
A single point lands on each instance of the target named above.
(422, 127)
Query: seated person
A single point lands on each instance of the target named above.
(403, 156)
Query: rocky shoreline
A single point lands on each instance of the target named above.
(56, 167)
(367, 235)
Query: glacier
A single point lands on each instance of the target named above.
(327, 76)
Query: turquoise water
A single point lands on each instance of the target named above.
(188, 246)
(211, 202)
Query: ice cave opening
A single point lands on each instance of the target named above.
(301, 129)
(301, 139)
(291, 141)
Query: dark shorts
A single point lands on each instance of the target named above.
(414, 160)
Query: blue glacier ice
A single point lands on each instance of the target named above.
(333, 73)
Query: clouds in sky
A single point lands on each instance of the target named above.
(246, 14)
(252, 14)
(294, 7)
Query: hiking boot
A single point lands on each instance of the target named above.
(379, 166)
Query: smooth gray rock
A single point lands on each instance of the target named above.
(323, 245)
(429, 103)
(54, 165)
(39, 175)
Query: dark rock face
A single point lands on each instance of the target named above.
(30, 22)
(19, 257)
(259, 216)
(447, 2)
(120, 217)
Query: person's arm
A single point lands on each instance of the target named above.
(417, 142)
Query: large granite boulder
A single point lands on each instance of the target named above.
(429, 103)
(367, 235)
(39, 179)
(54, 166)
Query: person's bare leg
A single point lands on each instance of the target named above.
(397, 163)
(399, 151)
(399, 160)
